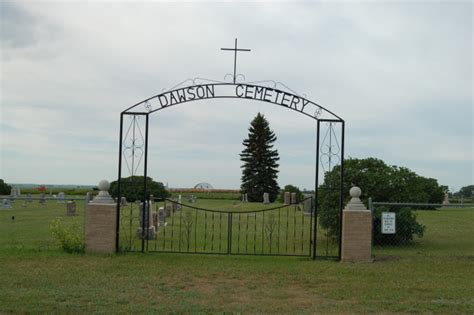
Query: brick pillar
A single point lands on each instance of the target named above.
(356, 230)
(101, 218)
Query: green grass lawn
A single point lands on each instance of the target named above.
(434, 275)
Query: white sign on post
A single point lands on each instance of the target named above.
(388, 223)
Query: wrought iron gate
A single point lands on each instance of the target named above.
(174, 227)
(133, 159)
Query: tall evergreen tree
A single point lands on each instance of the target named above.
(260, 167)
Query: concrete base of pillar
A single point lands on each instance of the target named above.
(100, 234)
(356, 236)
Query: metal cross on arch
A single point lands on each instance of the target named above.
(235, 50)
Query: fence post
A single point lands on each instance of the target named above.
(371, 208)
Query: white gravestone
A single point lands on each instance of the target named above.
(13, 192)
(293, 198)
(61, 197)
(388, 223)
(446, 199)
(266, 199)
(308, 205)
(286, 197)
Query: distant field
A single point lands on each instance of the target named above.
(434, 275)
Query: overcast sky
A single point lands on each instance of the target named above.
(399, 73)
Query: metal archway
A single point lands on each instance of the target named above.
(133, 141)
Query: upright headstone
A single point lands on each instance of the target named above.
(6, 204)
(286, 198)
(18, 192)
(293, 198)
(161, 217)
(168, 209)
(123, 202)
(308, 205)
(446, 199)
(71, 208)
(154, 215)
(266, 199)
(61, 197)
(149, 231)
(42, 199)
(29, 198)
(13, 192)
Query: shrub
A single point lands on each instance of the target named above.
(71, 238)
(382, 182)
(132, 188)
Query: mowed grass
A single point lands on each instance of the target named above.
(432, 276)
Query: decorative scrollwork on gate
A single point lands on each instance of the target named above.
(133, 145)
(330, 149)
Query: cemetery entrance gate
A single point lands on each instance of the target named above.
(172, 225)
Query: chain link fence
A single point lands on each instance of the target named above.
(418, 228)
(28, 222)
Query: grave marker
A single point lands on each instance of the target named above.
(42, 199)
(286, 198)
(6, 204)
(266, 199)
(61, 197)
(71, 208)
(293, 198)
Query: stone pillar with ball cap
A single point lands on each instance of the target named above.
(101, 218)
(356, 239)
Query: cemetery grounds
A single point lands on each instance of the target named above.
(432, 275)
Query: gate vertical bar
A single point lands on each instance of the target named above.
(145, 208)
(229, 233)
(316, 203)
(117, 227)
(341, 189)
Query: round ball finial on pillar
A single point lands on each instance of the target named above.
(355, 203)
(103, 196)
(104, 185)
(355, 192)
